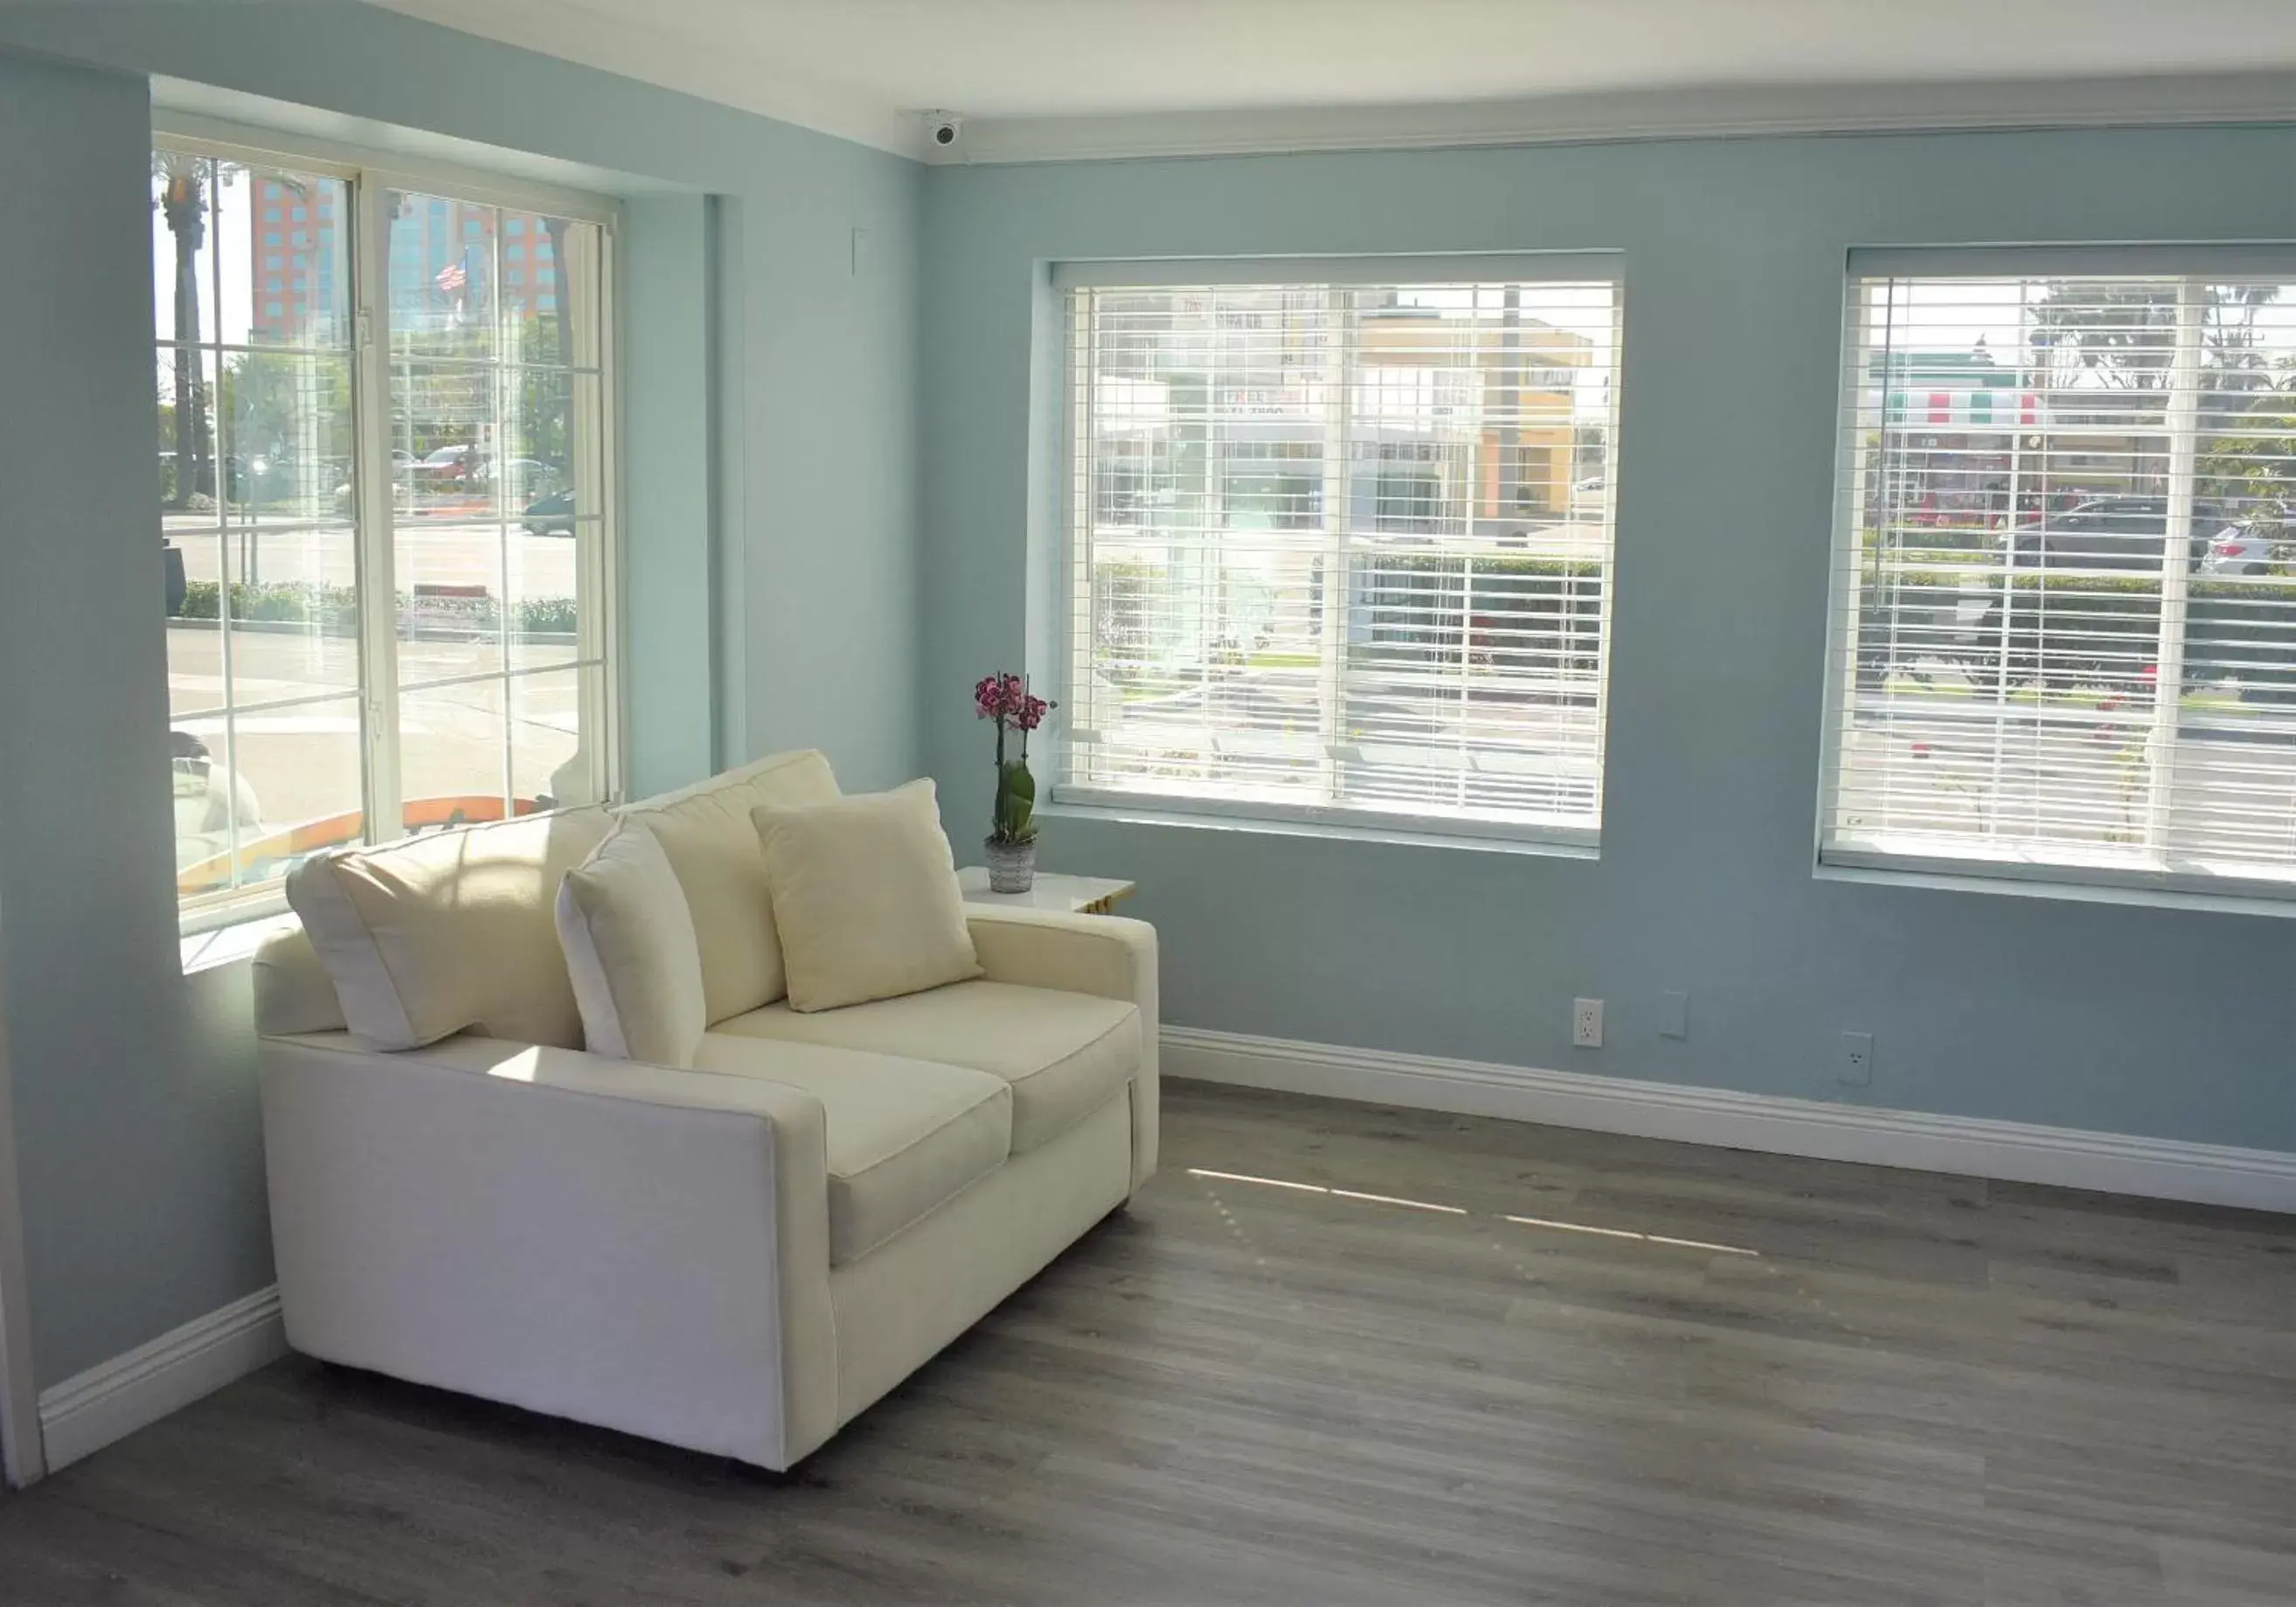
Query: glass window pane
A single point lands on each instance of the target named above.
(287, 441)
(548, 583)
(190, 553)
(549, 271)
(195, 668)
(443, 417)
(2061, 579)
(282, 239)
(293, 611)
(442, 277)
(452, 751)
(1332, 548)
(186, 389)
(552, 764)
(182, 246)
(255, 792)
(539, 460)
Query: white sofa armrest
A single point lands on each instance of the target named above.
(1106, 955)
(621, 1243)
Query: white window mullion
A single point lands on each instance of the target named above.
(1339, 468)
(376, 481)
(2175, 567)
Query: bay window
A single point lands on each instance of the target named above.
(383, 464)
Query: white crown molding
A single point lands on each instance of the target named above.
(2013, 1152)
(112, 1399)
(1706, 112)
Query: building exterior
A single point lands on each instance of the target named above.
(298, 284)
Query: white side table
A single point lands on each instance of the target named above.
(1074, 895)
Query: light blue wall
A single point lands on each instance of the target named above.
(774, 409)
(135, 1104)
(2133, 1020)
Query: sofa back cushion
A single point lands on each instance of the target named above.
(451, 929)
(628, 940)
(705, 831)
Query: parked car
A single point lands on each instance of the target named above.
(449, 468)
(2101, 537)
(2242, 548)
(551, 515)
(2104, 533)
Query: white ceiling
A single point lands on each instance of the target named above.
(863, 69)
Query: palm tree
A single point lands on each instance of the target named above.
(183, 200)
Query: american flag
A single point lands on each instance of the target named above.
(451, 279)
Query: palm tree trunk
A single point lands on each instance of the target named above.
(183, 202)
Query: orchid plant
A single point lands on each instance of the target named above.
(1004, 697)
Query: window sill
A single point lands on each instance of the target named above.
(227, 945)
(2019, 882)
(1146, 814)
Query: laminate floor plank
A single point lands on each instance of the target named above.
(1340, 1354)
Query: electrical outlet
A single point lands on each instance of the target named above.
(1674, 1015)
(1586, 1023)
(1855, 1070)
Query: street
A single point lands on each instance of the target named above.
(294, 742)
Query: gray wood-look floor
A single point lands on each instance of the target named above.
(1755, 1380)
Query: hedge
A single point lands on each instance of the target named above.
(334, 609)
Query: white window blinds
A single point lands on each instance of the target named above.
(2066, 630)
(1342, 551)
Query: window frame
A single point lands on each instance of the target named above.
(367, 175)
(2067, 872)
(1388, 824)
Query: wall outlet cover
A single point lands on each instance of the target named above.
(1855, 1068)
(1586, 1023)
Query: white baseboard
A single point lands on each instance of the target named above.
(112, 1399)
(2013, 1151)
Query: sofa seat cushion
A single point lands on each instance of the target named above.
(1063, 1053)
(904, 1135)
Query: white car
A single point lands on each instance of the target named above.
(2238, 549)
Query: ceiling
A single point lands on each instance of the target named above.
(1046, 77)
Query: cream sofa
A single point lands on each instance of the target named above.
(737, 1257)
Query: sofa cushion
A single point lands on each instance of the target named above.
(450, 929)
(628, 940)
(706, 833)
(1064, 1053)
(904, 1135)
(866, 897)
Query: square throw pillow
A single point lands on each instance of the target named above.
(450, 929)
(866, 897)
(631, 952)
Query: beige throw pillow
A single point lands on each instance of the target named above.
(630, 950)
(450, 929)
(866, 897)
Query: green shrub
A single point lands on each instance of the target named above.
(334, 609)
